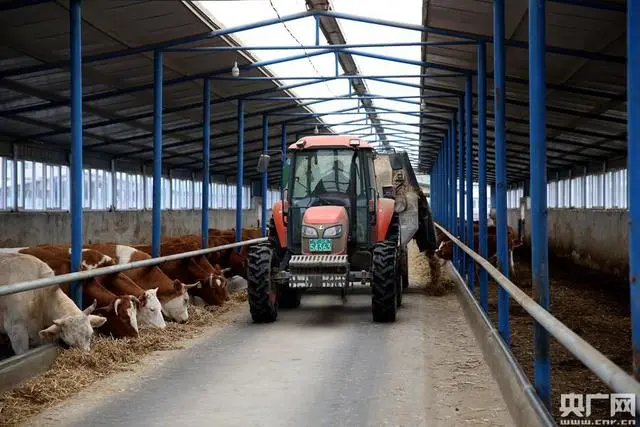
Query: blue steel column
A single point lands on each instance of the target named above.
(240, 171)
(482, 170)
(539, 241)
(633, 132)
(452, 171)
(265, 177)
(157, 153)
(439, 181)
(468, 95)
(206, 156)
(434, 190)
(445, 177)
(461, 233)
(436, 177)
(501, 163)
(75, 41)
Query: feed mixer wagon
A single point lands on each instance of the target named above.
(346, 216)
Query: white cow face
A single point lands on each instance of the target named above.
(176, 308)
(150, 311)
(75, 330)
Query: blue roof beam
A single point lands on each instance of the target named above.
(231, 30)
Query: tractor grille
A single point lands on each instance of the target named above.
(318, 264)
(318, 271)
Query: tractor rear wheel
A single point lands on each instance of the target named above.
(261, 292)
(383, 283)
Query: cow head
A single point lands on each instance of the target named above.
(213, 290)
(150, 310)
(122, 316)
(445, 250)
(221, 284)
(176, 306)
(75, 330)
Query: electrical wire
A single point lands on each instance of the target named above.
(300, 44)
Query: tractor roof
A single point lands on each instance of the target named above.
(329, 141)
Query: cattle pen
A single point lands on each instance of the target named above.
(148, 162)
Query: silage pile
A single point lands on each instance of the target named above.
(420, 275)
(75, 370)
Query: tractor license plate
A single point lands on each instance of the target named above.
(320, 245)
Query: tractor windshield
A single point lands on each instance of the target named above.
(318, 172)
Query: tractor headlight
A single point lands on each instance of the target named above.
(309, 232)
(332, 232)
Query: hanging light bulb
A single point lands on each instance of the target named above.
(235, 71)
(423, 105)
(315, 130)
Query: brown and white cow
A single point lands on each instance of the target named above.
(121, 312)
(213, 285)
(32, 317)
(173, 294)
(150, 309)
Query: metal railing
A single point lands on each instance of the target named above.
(15, 288)
(610, 373)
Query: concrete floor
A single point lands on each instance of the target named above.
(324, 364)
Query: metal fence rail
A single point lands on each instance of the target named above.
(610, 373)
(15, 288)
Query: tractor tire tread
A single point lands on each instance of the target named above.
(262, 309)
(383, 283)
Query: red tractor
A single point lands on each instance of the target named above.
(334, 229)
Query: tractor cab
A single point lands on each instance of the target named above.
(333, 230)
(331, 196)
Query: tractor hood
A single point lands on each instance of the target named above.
(325, 215)
(321, 222)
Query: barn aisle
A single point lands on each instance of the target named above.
(324, 364)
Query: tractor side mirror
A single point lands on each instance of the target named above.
(263, 163)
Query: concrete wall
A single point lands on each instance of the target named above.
(129, 227)
(594, 238)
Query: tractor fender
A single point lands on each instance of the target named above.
(278, 219)
(386, 209)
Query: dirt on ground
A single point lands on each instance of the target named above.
(594, 305)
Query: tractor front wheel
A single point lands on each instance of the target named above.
(383, 284)
(261, 292)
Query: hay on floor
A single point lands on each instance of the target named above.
(420, 274)
(75, 370)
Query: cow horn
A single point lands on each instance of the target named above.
(135, 300)
(197, 284)
(92, 307)
(226, 270)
